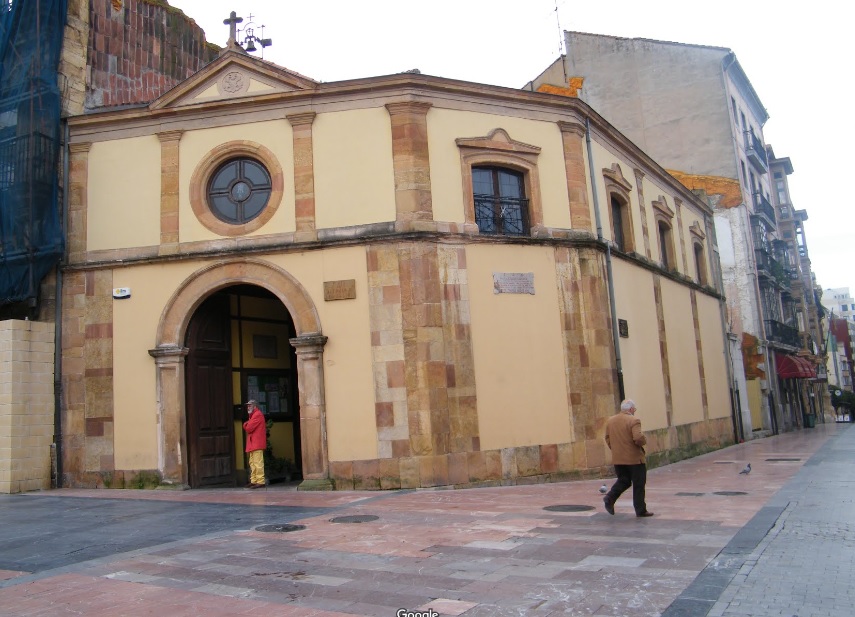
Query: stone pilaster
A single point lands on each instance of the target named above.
(699, 344)
(171, 424)
(663, 349)
(304, 175)
(678, 207)
(592, 388)
(78, 194)
(73, 391)
(313, 427)
(425, 405)
(87, 377)
(411, 161)
(573, 138)
(642, 208)
(387, 351)
(169, 182)
(98, 371)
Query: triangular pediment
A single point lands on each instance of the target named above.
(233, 76)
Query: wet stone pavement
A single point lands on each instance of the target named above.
(719, 543)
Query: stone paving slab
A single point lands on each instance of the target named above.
(486, 551)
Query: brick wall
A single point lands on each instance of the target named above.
(139, 49)
(26, 405)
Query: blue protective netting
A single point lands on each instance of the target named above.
(31, 241)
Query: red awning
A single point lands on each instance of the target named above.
(794, 366)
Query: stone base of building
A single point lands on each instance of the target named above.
(140, 479)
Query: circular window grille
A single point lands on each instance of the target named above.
(239, 190)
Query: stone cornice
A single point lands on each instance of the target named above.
(166, 136)
(374, 92)
(408, 107)
(301, 119)
(575, 128)
(80, 147)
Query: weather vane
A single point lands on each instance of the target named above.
(247, 34)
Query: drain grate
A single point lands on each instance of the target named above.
(783, 460)
(282, 528)
(569, 508)
(730, 493)
(689, 494)
(354, 518)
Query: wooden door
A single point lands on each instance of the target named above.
(210, 418)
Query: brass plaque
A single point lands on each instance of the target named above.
(340, 290)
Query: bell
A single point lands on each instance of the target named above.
(250, 45)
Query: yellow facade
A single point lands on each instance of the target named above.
(640, 351)
(124, 203)
(408, 348)
(682, 354)
(353, 168)
(517, 345)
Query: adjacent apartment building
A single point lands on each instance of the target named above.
(840, 311)
(840, 302)
(693, 109)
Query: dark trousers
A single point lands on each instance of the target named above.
(635, 475)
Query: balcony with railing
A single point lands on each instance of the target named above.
(771, 270)
(755, 152)
(778, 332)
(764, 208)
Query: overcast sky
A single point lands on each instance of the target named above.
(798, 56)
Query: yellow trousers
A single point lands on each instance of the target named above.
(256, 467)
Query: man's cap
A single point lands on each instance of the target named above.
(252, 402)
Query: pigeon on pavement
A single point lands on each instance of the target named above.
(603, 489)
(746, 470)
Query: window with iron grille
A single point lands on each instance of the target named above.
(501, 206)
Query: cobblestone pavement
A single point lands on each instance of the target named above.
(796, 557)
(779, 539)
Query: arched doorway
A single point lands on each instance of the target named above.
(238, 349)
(171, 350)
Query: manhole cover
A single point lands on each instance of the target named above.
(784, 460)
(280, 528)
(569, 508)
(689, 494)
(730, 493)
(355, 518)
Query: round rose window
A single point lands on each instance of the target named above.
(239, 190)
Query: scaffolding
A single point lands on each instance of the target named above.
(31, 239)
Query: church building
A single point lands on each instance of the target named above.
(424, 282)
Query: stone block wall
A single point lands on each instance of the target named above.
(26, 405)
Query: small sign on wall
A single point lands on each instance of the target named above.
(513, 283)
(340, 290)
(623, 328)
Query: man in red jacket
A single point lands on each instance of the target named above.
(256, 442)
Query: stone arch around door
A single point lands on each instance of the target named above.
(170, 352)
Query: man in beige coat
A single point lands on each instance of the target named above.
(626, 441)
